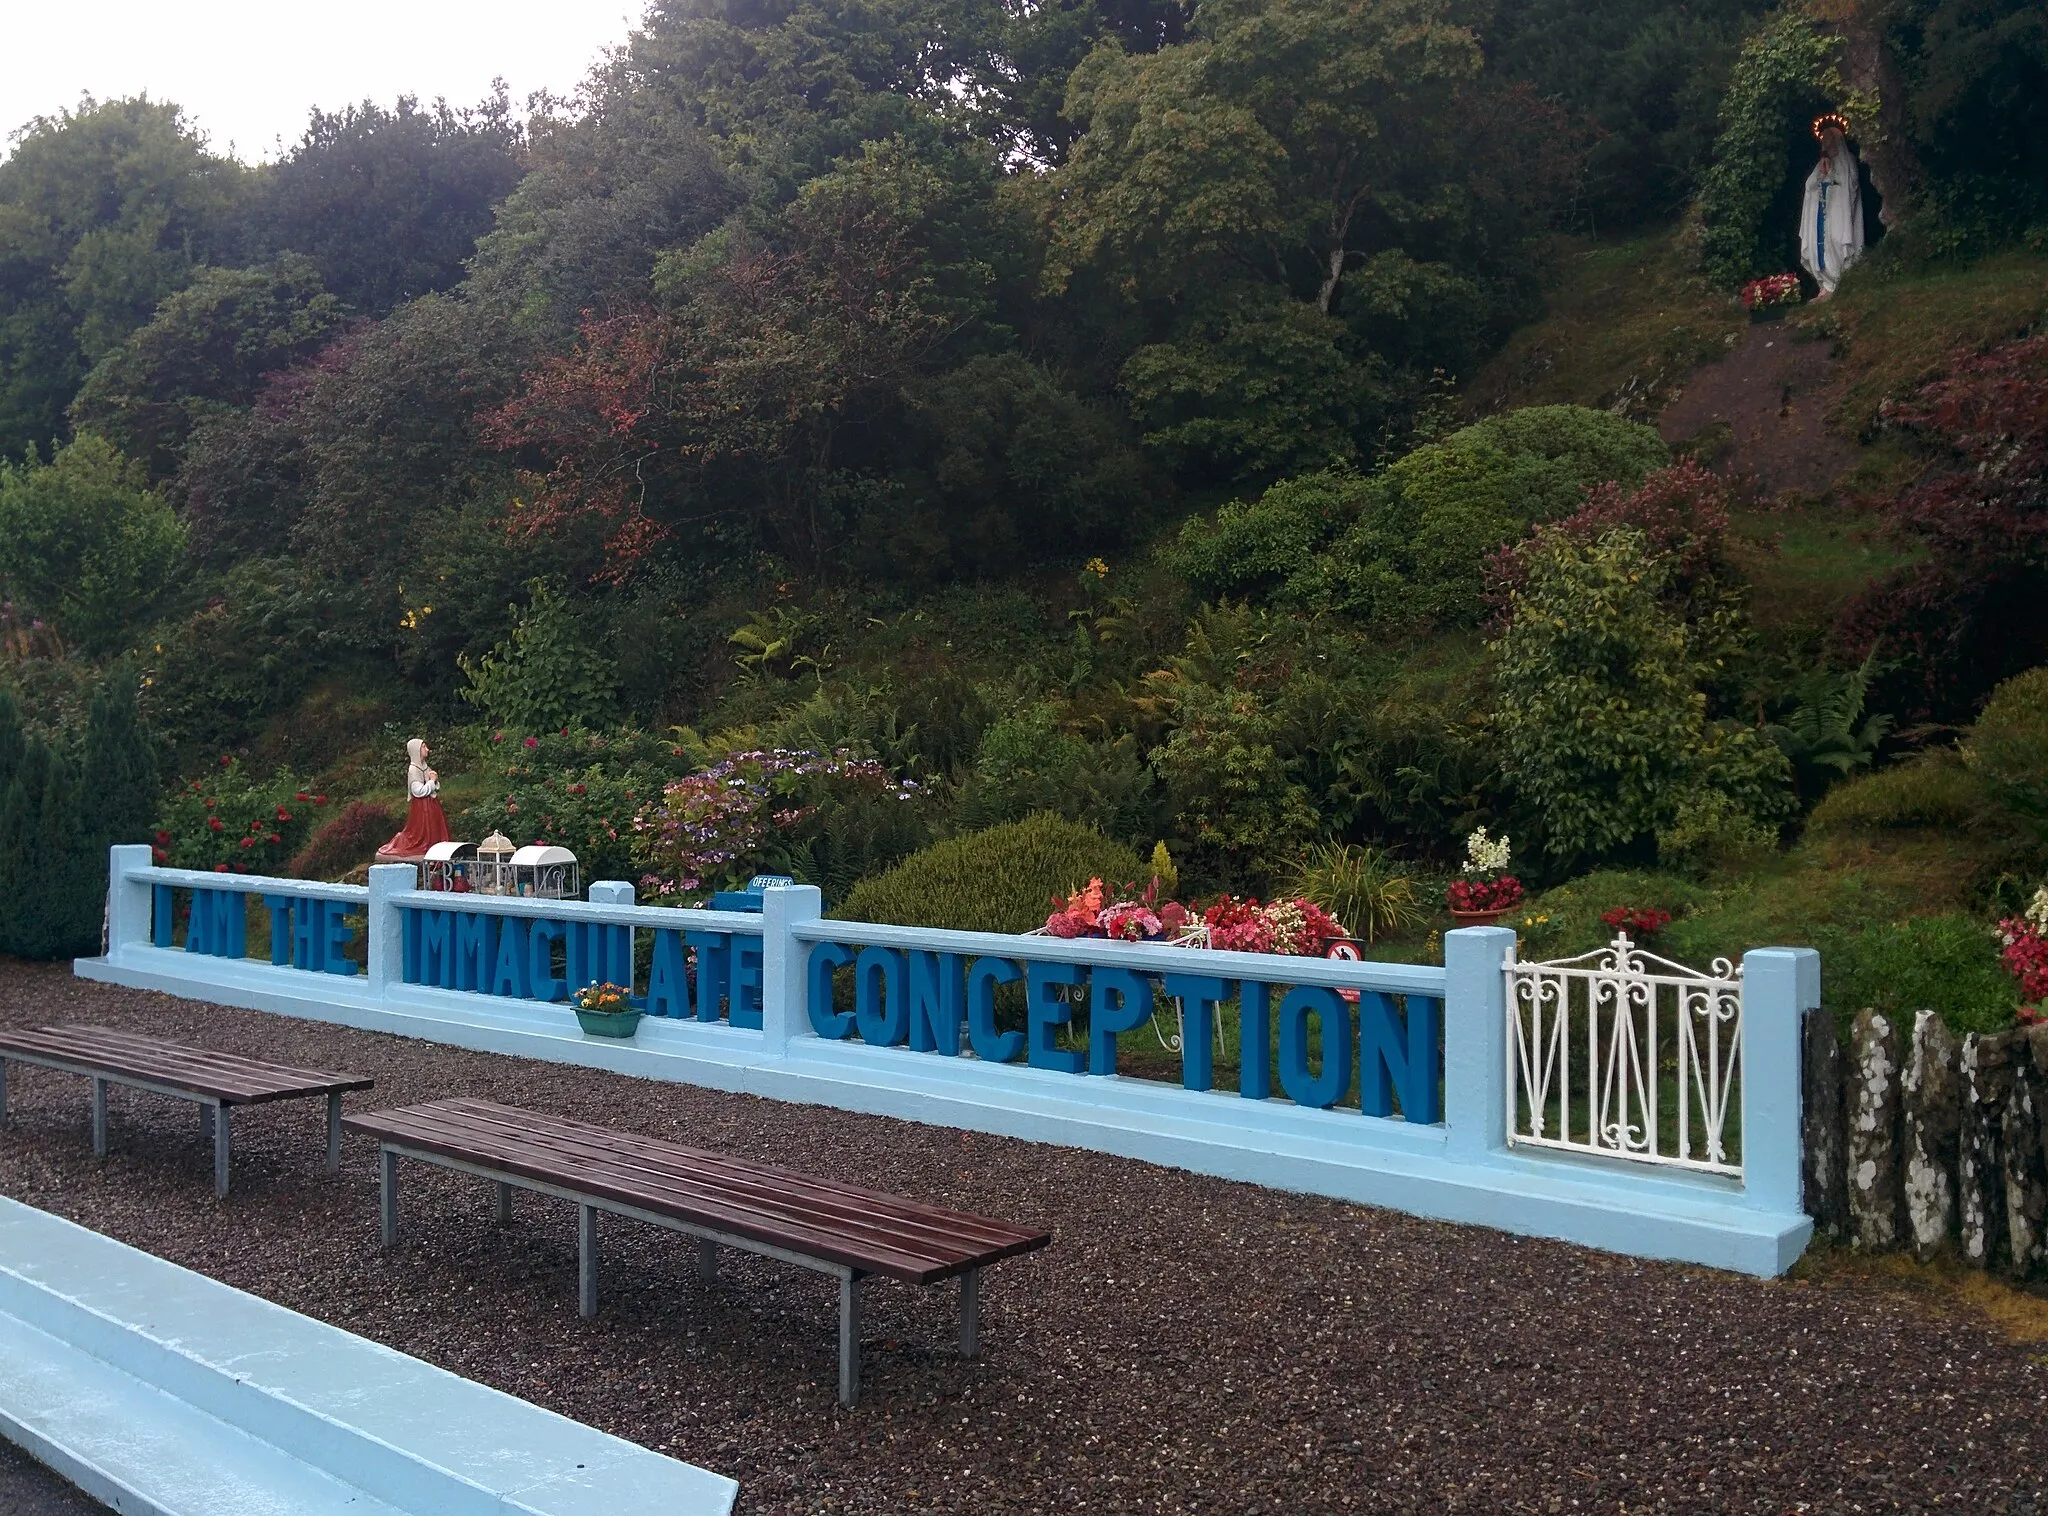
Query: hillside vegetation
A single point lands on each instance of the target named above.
(856, 445)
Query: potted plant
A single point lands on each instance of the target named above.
(1484, 891)
(606, 1010)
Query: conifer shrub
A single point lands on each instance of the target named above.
(1001, 880)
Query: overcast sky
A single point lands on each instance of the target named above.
(249, 71)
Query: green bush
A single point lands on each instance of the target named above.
(1000, 880)
(1417, 551)
(229, 822)
(1930, 789)
(1603, 720)
(85, 544)
(1255, 546)
(2010, 741)
(547, 675)
(1408, 544)
(1948, 964)
(1026, 764)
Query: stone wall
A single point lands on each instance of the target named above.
(1931, 1143)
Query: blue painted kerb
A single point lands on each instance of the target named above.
(410, 1436)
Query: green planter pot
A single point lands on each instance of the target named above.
(609, 1023)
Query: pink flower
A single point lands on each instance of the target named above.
(533, 742)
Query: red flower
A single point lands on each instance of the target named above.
(248, 842)
(283, 814)
(533, 742)
(225, 760)
(220, 868)
(301, 796)
(497, 736)
(319, 800)
(163, 839)
(578, 789)
(210, 802)
(275, 839)
(214, 822)
(160, 855)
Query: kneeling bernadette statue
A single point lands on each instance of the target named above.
(425, 822)
(1831, 211)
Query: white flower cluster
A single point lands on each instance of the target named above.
(1489, 855)
(2037, 911)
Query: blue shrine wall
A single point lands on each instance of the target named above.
(1390, 1086)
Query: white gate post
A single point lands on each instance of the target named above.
(1778, 986)
(384, 926)
(1476, 1040)
(783, 1013)
(128, 899)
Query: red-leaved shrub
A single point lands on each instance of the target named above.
(1968, 614)
(1682, 512)
(350, 840)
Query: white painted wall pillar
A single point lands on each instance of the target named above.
(1778, 986)
(384, 925)
(783, 1013)
(1476, 1040)
(128, 898)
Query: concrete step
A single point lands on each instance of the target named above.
(158, 1390)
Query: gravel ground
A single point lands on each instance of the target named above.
(29, 1489)
(1186, 1344)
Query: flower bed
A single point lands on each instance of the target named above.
(1298, 928)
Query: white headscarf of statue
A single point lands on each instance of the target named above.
(1831, 215)
(420, 780)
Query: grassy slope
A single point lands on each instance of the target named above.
(1627, 323)
(1626, 326)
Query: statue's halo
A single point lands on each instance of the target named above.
(1827, 119)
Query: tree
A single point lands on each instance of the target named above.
(205, 352)
(103, 212)
(119, 770)
(84, 543)
(389, 203)
(545, 676)
(1320, 181)
(54, 906)
(746, 396)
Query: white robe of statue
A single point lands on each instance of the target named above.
(1831, 215)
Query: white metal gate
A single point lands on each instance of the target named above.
(1620, 1053)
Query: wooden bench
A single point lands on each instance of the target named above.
(722, 1202)
(216, 1080)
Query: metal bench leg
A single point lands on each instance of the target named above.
(334, 1132)
(387, 1193)
(707, 1260)
(99, 1118)
(970, 1313)
(220, 1150)
(586, 1259)
(504, 1215)
(849, 1337)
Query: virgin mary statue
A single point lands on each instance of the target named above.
(1831, 215)
(425, 822)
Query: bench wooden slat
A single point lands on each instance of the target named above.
(597, 1173)
(226, 1077)
(863, 1229)
(743, 1181)
(901, 1247)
